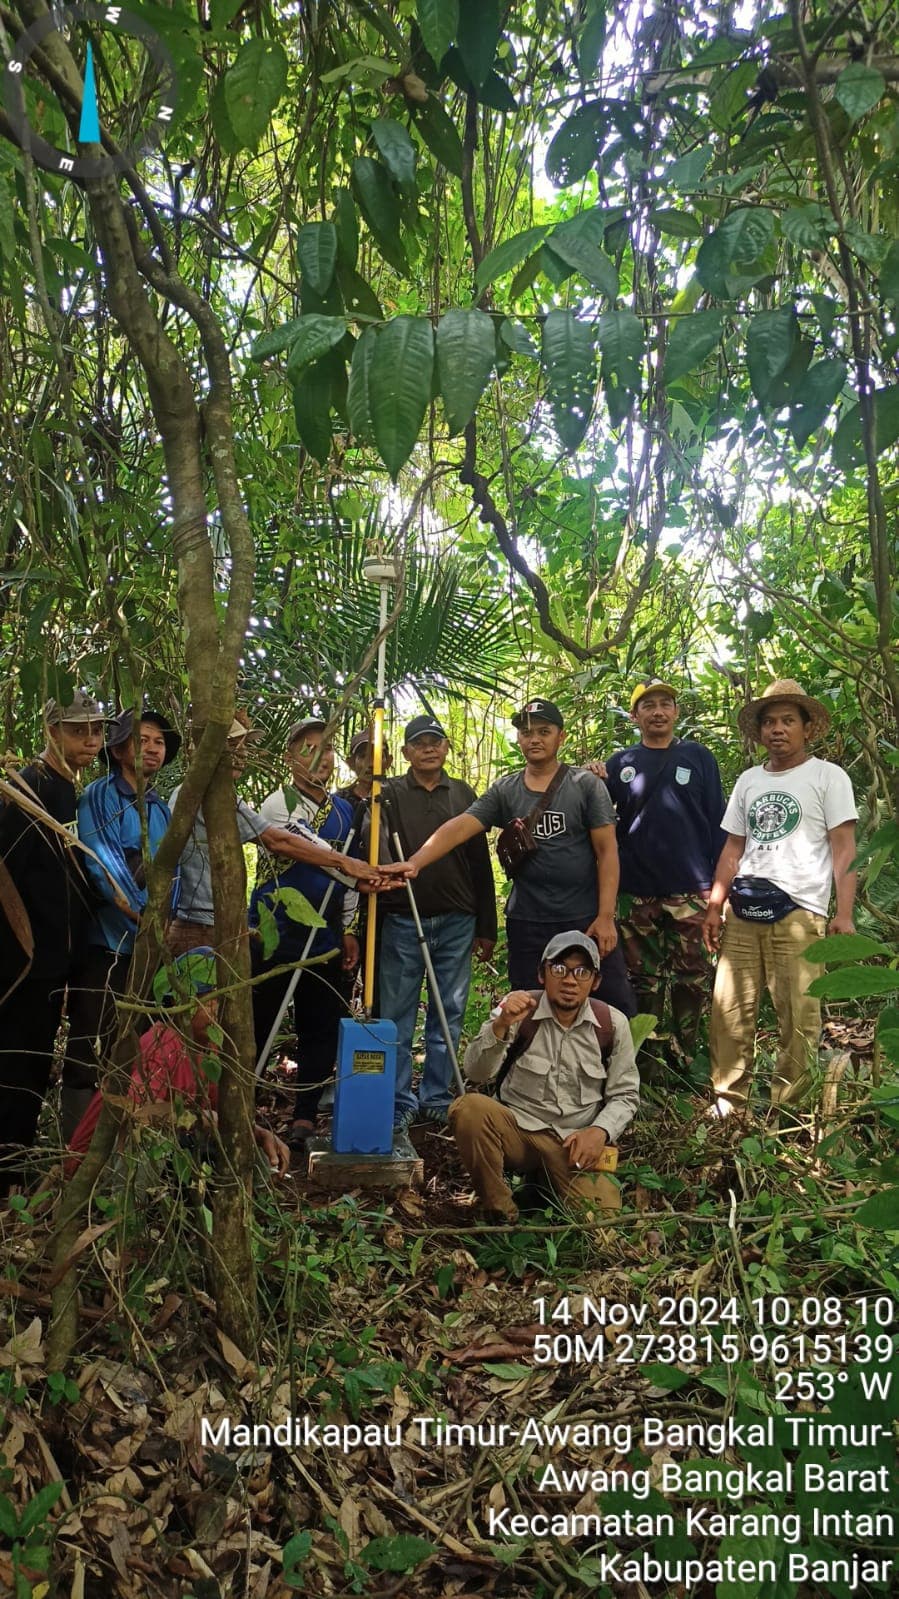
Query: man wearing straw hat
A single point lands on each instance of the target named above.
(791, 833)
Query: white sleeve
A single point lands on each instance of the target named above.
(839, 800)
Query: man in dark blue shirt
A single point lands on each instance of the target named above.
(668, 795)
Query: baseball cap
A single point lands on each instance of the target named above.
(562, 942)
(653, 687)
(420, 725)
(82, 709)
(121, 727)
(306, 725)
(359, 741)
(538, 711)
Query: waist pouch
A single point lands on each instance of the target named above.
(757, 899)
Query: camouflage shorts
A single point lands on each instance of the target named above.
(662, 939)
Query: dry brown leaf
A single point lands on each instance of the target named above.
(235, 1358)
(349, 1519)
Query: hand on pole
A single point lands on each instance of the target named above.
(483, 948)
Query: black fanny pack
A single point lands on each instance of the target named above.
(756, 899)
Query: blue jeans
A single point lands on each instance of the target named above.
(402, 968)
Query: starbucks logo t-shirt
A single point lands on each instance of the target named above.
(785, 818)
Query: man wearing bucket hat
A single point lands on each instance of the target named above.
(111, 815)
(566, 1085)
(791, 834)
(47, 903)
(667, 792)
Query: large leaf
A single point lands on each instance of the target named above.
(253, 87)
(315, 336)
(574, 148)
(880, 1211)
(569, 364)
(359, 405)
(591, 39)
(508, 255)
(889, 275)
(620, 338)
(587, 260)
(396, 150)
(855, 982)
(821, 385)
(729, 260)
(848, 448)
(858, 89)
(346, 224)
(479, 27)
(400, 387)
(808, 226)
(466, 352)
(439, 24)
(770, 339)
(692, 339)
(380, 207)
(402, 1551)
(440, 134)
(317, 252)
(844, 947)
(312, 409)
(276, 340)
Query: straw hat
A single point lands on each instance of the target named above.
(785, 688)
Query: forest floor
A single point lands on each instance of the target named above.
(380, 1309)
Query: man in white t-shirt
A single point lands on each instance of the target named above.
(791, 833)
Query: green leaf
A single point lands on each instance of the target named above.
(620, 338)
(770, 339)
(880, 1211)
(516, 336)
(568, 360)
(400, 1553)
(359, 391)
(226, 138)
(317, 252)
(844, 947)
(400, 387)
(858, 89)
(358, 296)
(440, 134)
(495, 93)
(642, 1027)
(438, 21)
(727, 257)
(730, 98)
(855, 982)
(312, 409)
(297, 907)
(666, 1376)
(9, 1521)
(269, 931)
(276, 340)
(466, 352)
(808, 226)
(315, 336)
(687, 170)
(692, 339)
(815, 395)
(39, 1507)
(574, 148)
(509, 1370)
(508, 255)
(848, 450)
(889, 275)
(346, 223)
(253, 87)
(478, 34)
(680, 224)
(590, 42)
(587, 260)
(381, 209)
(396, 150)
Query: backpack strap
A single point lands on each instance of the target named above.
(527, 1032)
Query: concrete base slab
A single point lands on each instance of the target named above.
(342, 1172)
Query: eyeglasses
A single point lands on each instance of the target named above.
(559, 969)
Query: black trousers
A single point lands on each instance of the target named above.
(320, 999)
(527, 941)
(93, 986)
(29, 1022)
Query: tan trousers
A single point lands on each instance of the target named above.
(488, 1138)
(753, 956)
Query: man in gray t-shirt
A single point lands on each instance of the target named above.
(572, 879)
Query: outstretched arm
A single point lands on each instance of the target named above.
(454, 832)
(279, 841)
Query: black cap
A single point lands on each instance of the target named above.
(420, 725)
(121, 727)
(360, 741)
(538, 711)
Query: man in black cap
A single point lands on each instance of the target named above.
(47, 904)
(111, 813)
(569, 877)
(359, 757)
(457, 905)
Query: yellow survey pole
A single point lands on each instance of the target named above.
(382, 572)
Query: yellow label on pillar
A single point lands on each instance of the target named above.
(368, 1060)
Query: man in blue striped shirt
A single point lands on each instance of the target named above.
(109, 823)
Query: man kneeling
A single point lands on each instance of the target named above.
(567, 1085)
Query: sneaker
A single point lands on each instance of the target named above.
(433, 1115)
(403, 1147)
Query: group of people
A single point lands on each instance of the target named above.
(628, 874)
